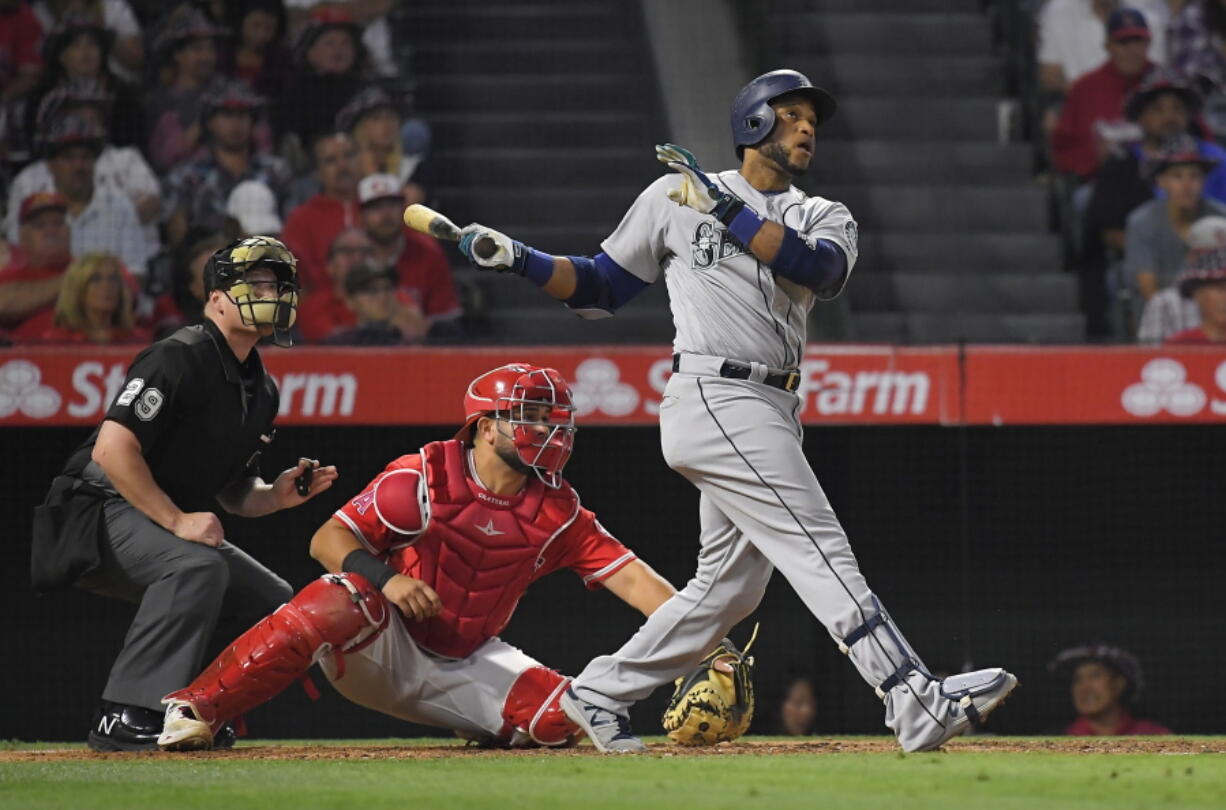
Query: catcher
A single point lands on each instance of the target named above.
(426, 566)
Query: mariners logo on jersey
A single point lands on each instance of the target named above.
(713, 244)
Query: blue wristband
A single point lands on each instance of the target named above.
(745, 225)
(532, 264)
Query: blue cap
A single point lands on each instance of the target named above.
(1127, 23)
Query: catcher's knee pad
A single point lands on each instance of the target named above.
(336, 613)
(532, 712)
(901, 657)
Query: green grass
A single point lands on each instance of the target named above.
(545, 781)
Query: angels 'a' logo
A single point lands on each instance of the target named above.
(713, 244)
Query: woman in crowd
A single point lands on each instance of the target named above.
(259, 57)
(95, 304)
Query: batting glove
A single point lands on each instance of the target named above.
(696, 191)
(506, 254)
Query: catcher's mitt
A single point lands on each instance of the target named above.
(714, 703)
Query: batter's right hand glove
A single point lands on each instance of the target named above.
(696, 190)
(502, 258)
(715, 702)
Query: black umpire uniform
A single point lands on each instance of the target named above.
(201, 418)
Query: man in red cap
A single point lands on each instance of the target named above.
(427, 564)
(1094, 107)
(30, 283)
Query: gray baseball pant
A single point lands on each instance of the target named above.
(761, 508)
(181, 588)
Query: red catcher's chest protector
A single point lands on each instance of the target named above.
(479, 551)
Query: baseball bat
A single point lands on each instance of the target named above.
(426, 220)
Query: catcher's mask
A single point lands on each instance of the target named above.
(227, 270)
(536, 404)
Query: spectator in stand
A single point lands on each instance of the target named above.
(371, 17)
(798, 711)
(101, 220)
(1106, 682)
(259, 58)
(1203, 283)
(21, 38)
(120, 169)
(1162, 105)
(329, 61)
(324, 311)
(1091, 122)
(373, 117)
(76, 52)
(127, 57)
(188, 47)
(196, 193)
(1155, 233)
(1169, 312)
(31, 281)
(381, 318)
(1198, 51)
(184, 304)
(251, 210)
(95, 305)
(1071, 33)
(418, 259)
(311, 227)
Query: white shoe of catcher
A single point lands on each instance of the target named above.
(183, 730)
(608, 731)
(972, 697)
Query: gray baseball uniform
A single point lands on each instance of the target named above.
(739, 442)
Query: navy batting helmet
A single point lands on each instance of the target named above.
(752, 116)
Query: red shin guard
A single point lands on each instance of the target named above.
(336, 613)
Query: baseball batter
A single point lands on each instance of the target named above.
(744, 254)
(448, 539)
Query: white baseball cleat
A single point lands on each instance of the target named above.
(183, 730)
(973, 696)
(608, 731)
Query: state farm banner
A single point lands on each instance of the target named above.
(621, 385)
(1109, 385)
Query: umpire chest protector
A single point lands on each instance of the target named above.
(479, 551)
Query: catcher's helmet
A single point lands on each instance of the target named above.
(544, 441)
(752, 116)
(226, 271)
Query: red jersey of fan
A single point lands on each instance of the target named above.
(1129, 725)
(1097, 96)
(479, 551)
(309, 231)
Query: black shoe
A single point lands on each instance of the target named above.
(117, 727)
(225, 737)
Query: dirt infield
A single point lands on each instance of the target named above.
(866, 745)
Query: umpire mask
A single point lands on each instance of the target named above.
(227, 271)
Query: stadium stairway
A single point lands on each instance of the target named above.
(954, 243)
(544, 113)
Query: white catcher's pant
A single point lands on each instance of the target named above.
(396, 677)
(761, 508)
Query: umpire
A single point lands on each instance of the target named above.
(131, 515)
